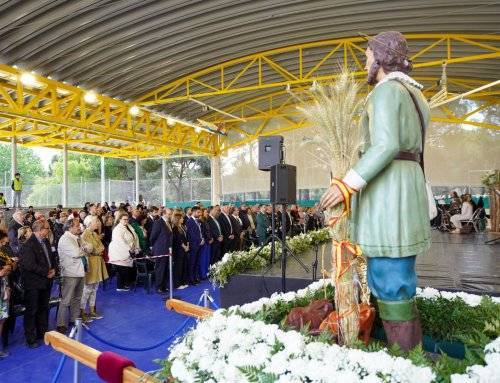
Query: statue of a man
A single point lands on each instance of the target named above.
(390, 217)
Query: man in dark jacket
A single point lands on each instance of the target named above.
(38, 268)
(195, 238)
(161, 243)
(216, 233)
(227, 230)
(153, 215)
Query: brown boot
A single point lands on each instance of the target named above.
(407, 334)
(85, 317)
(94, 314)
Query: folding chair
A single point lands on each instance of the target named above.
(473, 221)
(143, 275)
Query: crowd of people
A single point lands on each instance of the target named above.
(460, 209)
(79, 249)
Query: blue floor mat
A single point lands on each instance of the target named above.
(131, 319)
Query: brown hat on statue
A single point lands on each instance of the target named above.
(390, 51)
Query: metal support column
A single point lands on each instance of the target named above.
(163, 181)
(13, 164)
(103, 182)
(64, 201)
(137, 180)
(216, 180)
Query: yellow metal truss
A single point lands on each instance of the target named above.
(51, 114)
(291, 66)
(278, 110)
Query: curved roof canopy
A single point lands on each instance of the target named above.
(223, 62)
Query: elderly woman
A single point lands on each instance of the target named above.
(93, 247)
(124, 244)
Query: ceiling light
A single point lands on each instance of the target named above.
(197, 129)
(28, 79)
(90, 97)
(134, 110)
(170, 121)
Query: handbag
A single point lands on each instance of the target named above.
(430, 196)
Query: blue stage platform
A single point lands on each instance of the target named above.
(131, 319)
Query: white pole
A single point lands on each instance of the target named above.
(78, 337)
(103, 181)
(64, 201)
(13, 162)
(137, 180)
(13, 167)
(109, 192)
(163, 181)
(216, 180)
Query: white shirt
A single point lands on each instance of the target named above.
(70, 255)
(467, 210)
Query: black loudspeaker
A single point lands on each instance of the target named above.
(283, 184)
(270, 151)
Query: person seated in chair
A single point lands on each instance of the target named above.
(466, 213)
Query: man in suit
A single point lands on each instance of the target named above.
(237, 225)
(216, 233)
(227, 229)
(195, 239)
(38, 268)
(153, 215)
(161, 243)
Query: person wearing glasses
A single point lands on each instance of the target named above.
(124, 244)
(38, 268)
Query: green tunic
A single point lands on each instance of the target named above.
(390, 216)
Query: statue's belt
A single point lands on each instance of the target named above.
(408, 156)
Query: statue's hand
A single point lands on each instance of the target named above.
(331, 198)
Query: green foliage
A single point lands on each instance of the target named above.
(373, 346)
(453, 319)
(324, 337)
(256, 374)
(240, 261)
(164, 372)
(419, 357)
(277, 346)
(28, 163)
(446, 366)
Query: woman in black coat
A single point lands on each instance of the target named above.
(180, 250)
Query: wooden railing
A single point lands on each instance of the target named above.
(188, 309)
(88, 355)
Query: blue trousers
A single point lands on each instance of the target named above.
(392, 279)
(204, 260)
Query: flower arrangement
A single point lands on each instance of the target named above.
(229, 348)
(248, 343)
(240, 261)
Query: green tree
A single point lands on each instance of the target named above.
(28, 163)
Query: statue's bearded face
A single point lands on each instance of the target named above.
(369, 59)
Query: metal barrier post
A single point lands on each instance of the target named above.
(205, 298)
(78, 337)
(171, 276)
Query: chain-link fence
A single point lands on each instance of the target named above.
(50, 194)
